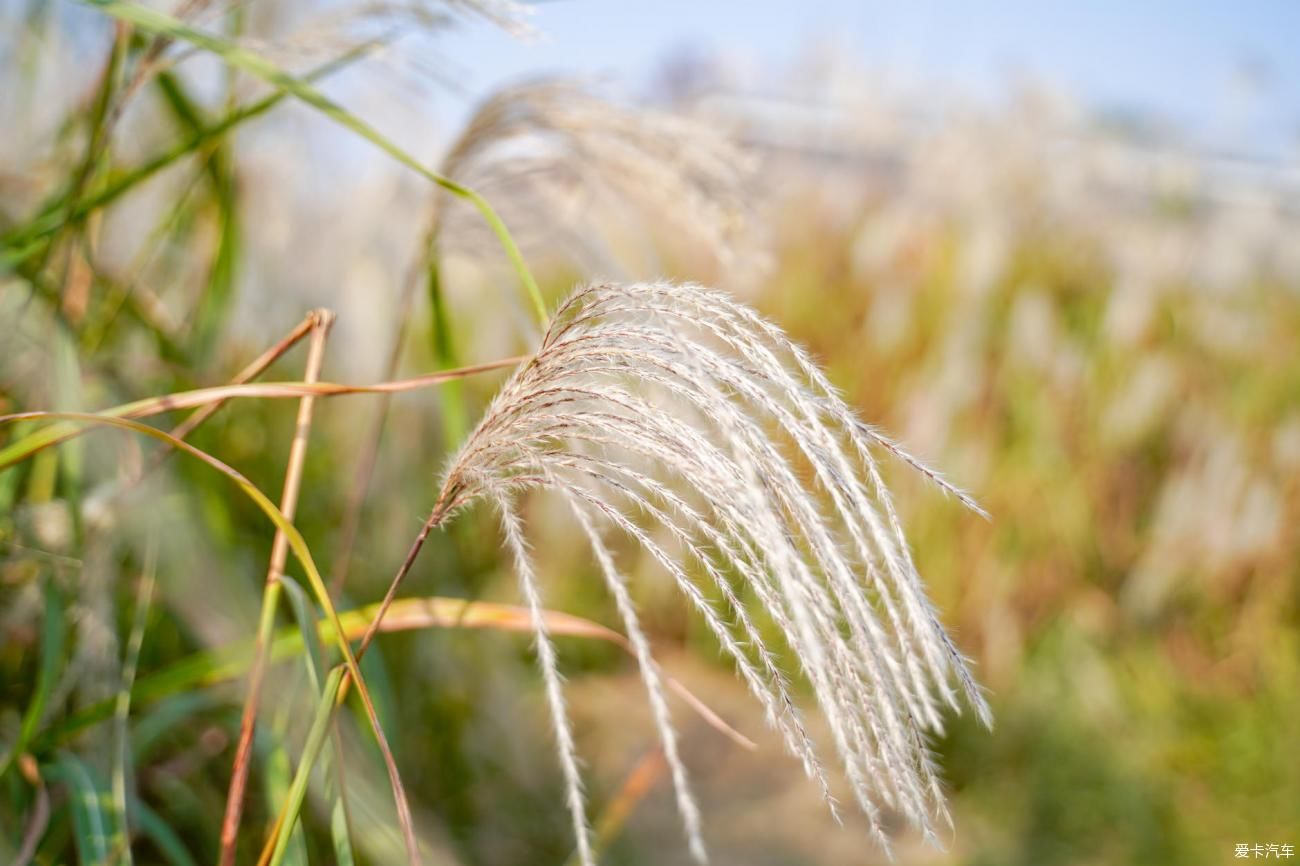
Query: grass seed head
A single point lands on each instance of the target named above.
(677, 408)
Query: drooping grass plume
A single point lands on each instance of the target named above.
(678, 418)
(573, 171)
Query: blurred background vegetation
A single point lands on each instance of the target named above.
(1088, 321)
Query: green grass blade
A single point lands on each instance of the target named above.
(53, 637)
(158, 831)
(308, 627)
(90, 827)
(455, 422)
(309, 634)
(22, 243)
(122, 752)
(96, 153)
(240, 58)
(320, 726)
(277, 772)
(214, 303)
(340, 832)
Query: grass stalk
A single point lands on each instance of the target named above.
(149, 62)
(321, 722)
(95, 153)
(214, 301)
(253, 369)
(53, 639)
(322, 320)
(54, 434)
(122, 709)
(125, 295)
(324, 711)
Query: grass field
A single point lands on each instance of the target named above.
(1094, 332)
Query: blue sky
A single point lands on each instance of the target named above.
(1186, 62)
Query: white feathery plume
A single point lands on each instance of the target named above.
(676, 406)
(561, 162)
(514, 535)
(650, 673)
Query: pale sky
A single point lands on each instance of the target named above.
(1228, 72)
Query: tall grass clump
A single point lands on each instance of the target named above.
(666, 420)
(678, 418)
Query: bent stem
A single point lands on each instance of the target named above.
(330, 698)
(250, 372)
(283, 827)
(57, 433)
(321, 322)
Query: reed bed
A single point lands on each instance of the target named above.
(396, 621)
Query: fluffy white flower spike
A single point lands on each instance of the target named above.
(673, 415)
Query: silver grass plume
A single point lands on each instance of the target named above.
(675, 407)
(561, 161)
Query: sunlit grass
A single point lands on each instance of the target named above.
(1113, 375)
